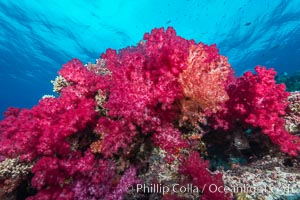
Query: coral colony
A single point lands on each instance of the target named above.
(165, 119)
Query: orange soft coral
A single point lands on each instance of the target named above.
(205, 78)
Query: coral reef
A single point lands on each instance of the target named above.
(267, 178)
(157, 120)
(292, 118)
(12, 173)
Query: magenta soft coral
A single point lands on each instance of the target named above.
(144, 86)
(210, 184)
(115, 135)
(83, 81)
(127, 180)
(79, 177)
(256, 100)
(145, 77)
(43, 129)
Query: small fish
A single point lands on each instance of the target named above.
(248, 24)
(241, 142)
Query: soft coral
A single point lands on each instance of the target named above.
(255, 100)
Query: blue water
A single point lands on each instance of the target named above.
(37, 37)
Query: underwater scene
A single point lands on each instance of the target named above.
(150, 100)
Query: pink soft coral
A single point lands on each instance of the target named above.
(256, 100)
(43, 129)
(144, 87)
(210, 184)
(77, 177)
(115, 135)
